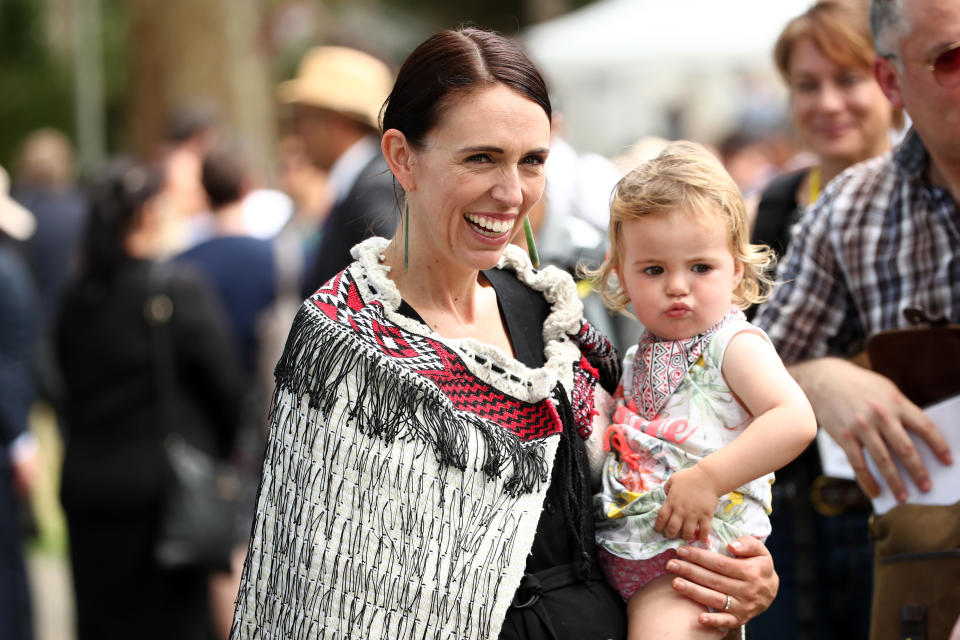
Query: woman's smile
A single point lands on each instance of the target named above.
(490, 226)
(479, 171)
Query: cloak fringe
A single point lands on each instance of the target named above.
(393, 403)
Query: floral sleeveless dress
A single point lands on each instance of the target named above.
(673, 408)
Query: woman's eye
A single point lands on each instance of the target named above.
(849, 79)
(534, 160)
(702, 268)
(805, 86)
(479, 157)
(653, 271)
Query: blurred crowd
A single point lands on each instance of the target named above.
(234, 255)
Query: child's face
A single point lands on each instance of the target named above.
(679, 272)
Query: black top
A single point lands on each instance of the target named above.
(17, 315)
(370, 208)
(556, 600)
(778, 211)
(114, 457)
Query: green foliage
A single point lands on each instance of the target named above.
(36, 89)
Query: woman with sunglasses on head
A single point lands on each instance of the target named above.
(840, 115)
(427, 472)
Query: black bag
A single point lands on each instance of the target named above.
(202, 494)
(197, 526)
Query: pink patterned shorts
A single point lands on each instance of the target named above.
(629, 576)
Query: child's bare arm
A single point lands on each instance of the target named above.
(784, 423)
(783, 427)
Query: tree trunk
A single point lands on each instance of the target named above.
(187, 50)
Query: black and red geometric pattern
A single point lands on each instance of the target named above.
(341, 302)
(601, 354)
(581, 397)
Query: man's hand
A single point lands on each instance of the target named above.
(860, 408)
(688, 509)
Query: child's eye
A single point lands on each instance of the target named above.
(653, 271)
(702, 268)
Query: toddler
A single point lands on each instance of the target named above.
(705, 410)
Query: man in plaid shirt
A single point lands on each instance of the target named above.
(883, 237)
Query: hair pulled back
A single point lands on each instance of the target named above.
(451, 63)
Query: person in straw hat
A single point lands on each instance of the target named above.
(18, 449)
(336, 98)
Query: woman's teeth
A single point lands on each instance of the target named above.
(489, 226)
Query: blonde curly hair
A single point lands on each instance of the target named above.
(684, 177)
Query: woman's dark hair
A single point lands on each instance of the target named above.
(450, 63)
(116, 196)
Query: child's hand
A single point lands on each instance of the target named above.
(688, 509)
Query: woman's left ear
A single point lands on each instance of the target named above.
(399, 156)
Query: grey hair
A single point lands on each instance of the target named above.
(886, 20)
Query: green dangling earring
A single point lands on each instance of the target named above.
(406, 236)
(531, 243)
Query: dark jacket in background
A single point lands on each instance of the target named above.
(114, 462)
(17, 319)
(371, 208)
(52, 250)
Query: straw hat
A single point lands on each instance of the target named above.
(15, 220)
(340, 79)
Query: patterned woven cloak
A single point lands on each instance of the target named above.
(405, 472)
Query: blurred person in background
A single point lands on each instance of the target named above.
(840, 115)
(191, 131)
(820, 540)
(754, 155)
(18, 448)
(119, 412)
(309, 187)
(336, 98)
(579, 184)
(244, 273)
(239, 265)
(876, 254)
(569, 222)
(44, 183)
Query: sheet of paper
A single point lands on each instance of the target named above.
(832, 458)
(945, 479)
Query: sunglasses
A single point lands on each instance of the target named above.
(945, 66)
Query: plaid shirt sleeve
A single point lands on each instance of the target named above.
(811, 311)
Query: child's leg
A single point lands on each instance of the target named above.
(657, 612)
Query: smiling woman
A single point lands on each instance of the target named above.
(426, 474)
(469, 183)
(825, 57)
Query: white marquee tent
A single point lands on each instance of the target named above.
(616, 67)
